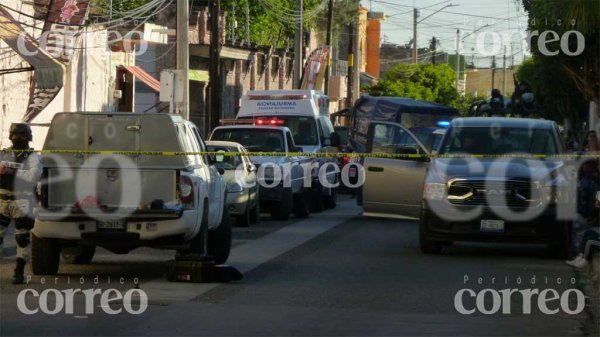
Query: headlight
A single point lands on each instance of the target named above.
(234, 188)
(434, 191)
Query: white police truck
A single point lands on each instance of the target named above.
(305, 113)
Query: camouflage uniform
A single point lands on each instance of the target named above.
(17, 199)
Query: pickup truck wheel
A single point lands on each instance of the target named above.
(45, 256)
(560, 246)
(282, 210)
(219, 239)
(82, 255)
(316, 200)
(255, 213)
(244, 219)
(429, 246)
(301, 204)
(330, 201)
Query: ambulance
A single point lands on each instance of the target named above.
(306, 114)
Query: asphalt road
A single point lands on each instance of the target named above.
(333, 274)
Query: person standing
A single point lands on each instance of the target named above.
(20, 171)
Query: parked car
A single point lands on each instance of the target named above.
(280, 200)
(121, 202)
(306, 114)
(240, 177)
(472, 199)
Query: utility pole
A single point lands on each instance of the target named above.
(504, 72)
(298, 46)
(350, 74)
(433, 49)
(329, 38)
(414, 53)
(457, 57)
(183, 56)
(493, 71)
(215, 62)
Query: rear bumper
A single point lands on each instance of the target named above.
(142, 228)
(133, 215)
(543, 228)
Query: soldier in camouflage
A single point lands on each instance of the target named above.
(20, 171)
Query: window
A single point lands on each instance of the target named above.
(255, 140)
(290, 141)
(393, 139)
(202, 145)
(304, 129)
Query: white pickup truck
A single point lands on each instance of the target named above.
(287, 195)
(122, 181)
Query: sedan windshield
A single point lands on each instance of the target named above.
(490, 140)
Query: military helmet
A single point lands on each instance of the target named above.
(20, 128)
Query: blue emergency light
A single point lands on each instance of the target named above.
(443, 124)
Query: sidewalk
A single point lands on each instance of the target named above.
(588, 283)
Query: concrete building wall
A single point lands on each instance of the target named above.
(373, 47)
(88, 85)
(479, 81)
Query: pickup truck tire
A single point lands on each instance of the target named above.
(219, 239)
(330, 201)
(244, 219)
(282, 210)
(560, 246)
(301, 204)
(316, 200)
(429, 246)
(45, 256)
(83, 255)
(255, 213)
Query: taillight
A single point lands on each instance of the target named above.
(186, 191)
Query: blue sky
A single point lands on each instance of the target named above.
(501, 16)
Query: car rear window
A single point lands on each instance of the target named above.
(254, 140)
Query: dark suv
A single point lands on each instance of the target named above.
(494, 179)
(513, 189)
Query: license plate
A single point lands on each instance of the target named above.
(492, 225)
(111, 224)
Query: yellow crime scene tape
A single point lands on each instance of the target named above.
(383, 155)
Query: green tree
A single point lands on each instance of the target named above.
(463, 103)
(574, 15)
(119, 6)
(554, 90)
(426, 82)
(272, 22)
